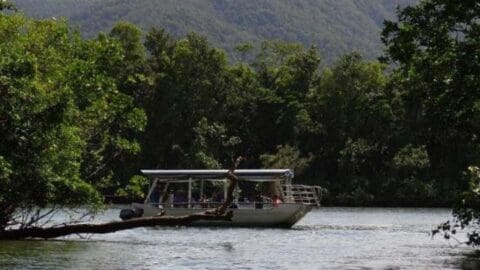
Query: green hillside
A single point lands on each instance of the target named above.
(335, 26)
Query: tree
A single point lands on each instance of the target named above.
(190, 86)
(42, 144)
(132, 73)
(212, 144)
(286, 73)
(286, 157)
(466, 212)
(349, 128)
(434, 46)
(111, 119)
(132, 78)
(62, 119)
(219, 213)
(7, 5)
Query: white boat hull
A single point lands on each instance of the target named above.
(284, 215)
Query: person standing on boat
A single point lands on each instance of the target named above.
(155, 196)
(276, 200)
(204, 201)
(171, 197)
(259, 201)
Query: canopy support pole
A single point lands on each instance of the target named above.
(236, 194)
(164, 192)
(225, 189)
(190, 192)
(152, 187)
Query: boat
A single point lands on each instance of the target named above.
(281, 204)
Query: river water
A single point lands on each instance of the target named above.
(327, 238)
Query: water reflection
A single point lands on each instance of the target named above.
(470, 260)
(228, 246)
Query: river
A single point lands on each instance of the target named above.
(327, 238)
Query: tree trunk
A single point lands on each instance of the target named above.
(109, 227)
(231, 187)
(53, 232)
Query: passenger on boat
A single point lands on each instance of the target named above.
(179, 200)
(259, 201)
(217, 197)
(194, 202)
(155, 196)
(204, 202)
(276, 200)
(171, 198)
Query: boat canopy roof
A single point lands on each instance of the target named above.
(257, 175)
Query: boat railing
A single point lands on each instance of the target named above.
(211, 205)
(306, 194)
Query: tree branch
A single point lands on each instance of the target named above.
(53, 232)
(219, 213)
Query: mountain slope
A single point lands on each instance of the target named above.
(335, 26)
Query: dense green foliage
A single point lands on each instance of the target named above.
(372, 134)
(62, 118)
(437, 48)
(335, 26)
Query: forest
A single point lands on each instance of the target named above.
(80, 117)
(336, 27)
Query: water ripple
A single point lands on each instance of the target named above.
(331, 238)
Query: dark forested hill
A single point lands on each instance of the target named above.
(335, 26)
